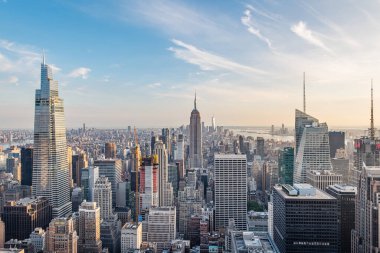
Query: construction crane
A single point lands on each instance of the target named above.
(137, 165)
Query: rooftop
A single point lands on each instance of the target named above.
(304, 189)
(343, 188)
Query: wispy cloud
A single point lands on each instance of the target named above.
(154, 85)
(10, 80)
(208, 61)
(81, 72)
(248, 22)
(305, 33)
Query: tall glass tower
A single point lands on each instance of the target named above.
(50, 166)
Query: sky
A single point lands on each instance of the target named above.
(139, 63)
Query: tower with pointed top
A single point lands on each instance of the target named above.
(50, 166)
(196, 157)
(372, 128)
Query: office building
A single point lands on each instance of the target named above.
(322, 178)
(286, 165)
(195, 156)
(305, 219)
(37, 238)
(260, 144)
(50, 170)
(88, 178)
(165, 188)
(301, 121)
(103, 197)
(110, 150)
(23, 216)
(365, 237)
(89, 228)
(131, 237)
(248, 241)
(161, 226)
(26, 166)
(2, 234)
(313, 151)
(230, 180)
(61, 236)
(345, 195)
(112, 169)
(79, 161)
(336, 141)
(149, 183)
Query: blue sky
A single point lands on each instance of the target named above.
(123, 63)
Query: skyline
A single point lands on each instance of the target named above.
(236, 55)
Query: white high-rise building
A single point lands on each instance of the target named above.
(103, 197)
(313, 151)
(196, 156)
(50, 166)
(161, 225)
(165, 189)
(131, 237)
(213, 124)
(180, 152)
(230, 177)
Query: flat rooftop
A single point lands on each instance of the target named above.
(318, 193)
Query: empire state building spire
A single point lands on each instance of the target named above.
(195, 100)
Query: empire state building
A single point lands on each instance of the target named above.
(196, 158)
(50, 166)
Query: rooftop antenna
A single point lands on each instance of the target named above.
(304, 94)
(195, 100)
(43, 56)
(372, 128)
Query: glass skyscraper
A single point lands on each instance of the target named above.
(50, 165)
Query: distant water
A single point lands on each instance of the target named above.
(7, 145)
(261, 132)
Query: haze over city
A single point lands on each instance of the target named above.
(139, 62)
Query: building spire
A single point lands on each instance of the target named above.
(372, 128)
(195, 100)
(43, 56)
(304, 94)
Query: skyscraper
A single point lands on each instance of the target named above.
(366, 234)
(103, 197)
(61, 237)
(110, 150)
(312, 147)
(196, 156)
(286, 165)
(89, 228)
(148, 183)
(260, 147)
(50, 167)
(345, 195)
(305, 219)
(165, 190)
(26, 166)
(230, 178)
(336, 141)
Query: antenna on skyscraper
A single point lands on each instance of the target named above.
(372, 128)
(304, 94)
(195, 100)
(43, 56)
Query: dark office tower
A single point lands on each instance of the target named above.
(195, 155)
(110, 168)
(50, 165)
(241, 144)
(336, 140)
(110, 150)
(366, 234)
(301, 121)
(23, 216)
(305, 219)
(26, 166)
(346, 213)
(260, 147)
(286, 165)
